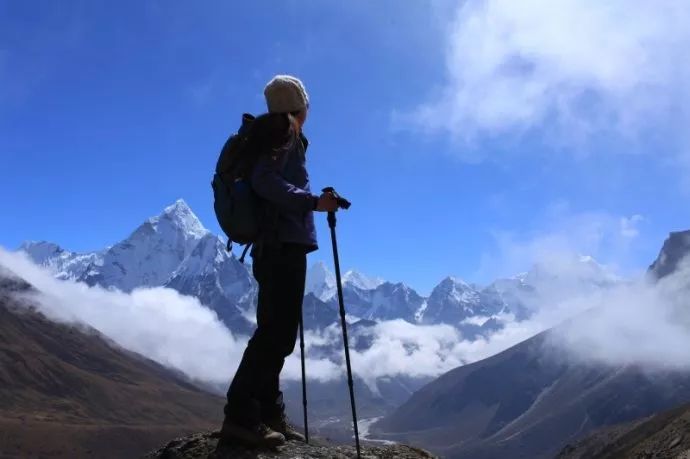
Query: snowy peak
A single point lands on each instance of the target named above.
(41, 251)
(62, 263)
(320, 281)
(452, 301)
(455, 290)
(359, 280)
(150, 255)
(180, 216)
(391, 301)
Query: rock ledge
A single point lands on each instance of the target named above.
(203, 445)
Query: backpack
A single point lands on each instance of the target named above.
(236, 205)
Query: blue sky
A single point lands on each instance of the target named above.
(471, 138)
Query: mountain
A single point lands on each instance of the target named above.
(219, 281)
(63, 263)
(317, 314)
(388, 301)
(360, 281)
(515, 294)
(530, 400)
(146, 258)
(149, 256)
(173, 250)
(675, 249)
(662, 435)
(527, 402)
(453, 301)
(320, 282)
(68, 392)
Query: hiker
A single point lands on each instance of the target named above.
(255, 412)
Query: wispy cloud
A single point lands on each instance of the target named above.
(564, 234)
(580, 68)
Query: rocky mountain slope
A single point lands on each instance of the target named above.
(675, 250)
(665, 435)
(527, 402)
(203, 445)
(68, 392)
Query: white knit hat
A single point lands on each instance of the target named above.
(285, 94)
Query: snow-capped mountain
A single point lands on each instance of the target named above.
(320, 282)
(473, 311)
(147, 258)
(386, 302)
(63, 263)
(451, 301)
(174, 249)
(362, 282)
(150, 255)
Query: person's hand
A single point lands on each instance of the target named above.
(327, 203)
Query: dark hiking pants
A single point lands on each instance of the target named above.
(254, 393)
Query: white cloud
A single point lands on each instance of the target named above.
(631, 322)
(179, 332)
(639, 323)
(564, 236)
(172, 329)
(581, 67)
(401, 348)
(629, 226)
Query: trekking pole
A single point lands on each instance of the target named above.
(304, 378)
(343, 203)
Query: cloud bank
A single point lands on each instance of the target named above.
(615, 323)
(643, 323)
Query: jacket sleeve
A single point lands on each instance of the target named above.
(270, 185)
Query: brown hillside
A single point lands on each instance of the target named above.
(68, 392)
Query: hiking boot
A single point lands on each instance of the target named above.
(259, 435)
(279, 423)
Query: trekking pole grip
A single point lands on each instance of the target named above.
(342, 202)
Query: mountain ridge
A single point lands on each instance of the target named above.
(165, 251)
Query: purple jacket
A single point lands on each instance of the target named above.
(281, 179)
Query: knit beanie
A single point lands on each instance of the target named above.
(285, 94)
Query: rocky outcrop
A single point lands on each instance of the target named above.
(676, 249)
(203, 445)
